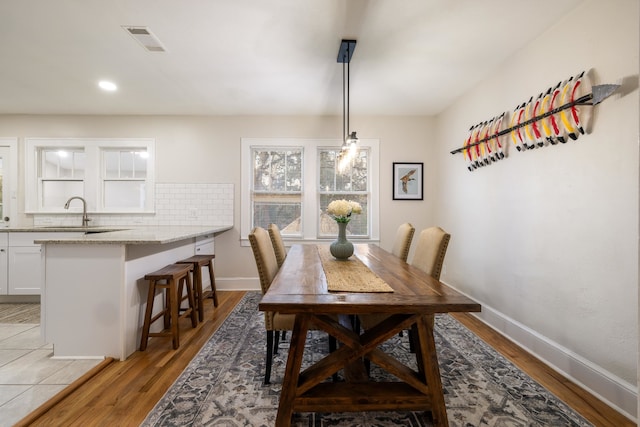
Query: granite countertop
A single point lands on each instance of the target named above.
(133, 235)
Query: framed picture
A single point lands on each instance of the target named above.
(407, 181)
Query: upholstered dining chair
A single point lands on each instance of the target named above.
(428, 257)
(278, 244)
(274, 322)
(402, 242)
(431, 250)
(267, 265)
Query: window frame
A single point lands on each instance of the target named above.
(93, 180)
(310, 193)
(300, 193)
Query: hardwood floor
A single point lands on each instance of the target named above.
(122, 393)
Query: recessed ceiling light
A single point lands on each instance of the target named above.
(106, 85)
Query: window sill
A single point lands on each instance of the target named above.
(289, 242)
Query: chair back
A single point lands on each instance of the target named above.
(402, 242)
(265, 257)
(430, 251)
(278, 244)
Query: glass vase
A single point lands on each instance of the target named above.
(341, 249)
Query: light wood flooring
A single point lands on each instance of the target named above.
(12, 313)
(122, 393)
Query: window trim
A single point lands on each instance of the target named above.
(310, 194)
(93, 179)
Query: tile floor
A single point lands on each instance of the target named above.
(28, 375)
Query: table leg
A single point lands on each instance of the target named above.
(428, 359)
(354, 371)
(292, 370)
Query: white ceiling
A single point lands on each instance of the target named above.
(257, 56)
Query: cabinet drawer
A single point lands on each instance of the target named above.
(205, 245)
(4, 239)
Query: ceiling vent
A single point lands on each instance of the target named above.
(146, 38)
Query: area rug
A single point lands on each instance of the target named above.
(223, 384)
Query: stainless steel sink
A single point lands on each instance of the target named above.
(79, 227)
(86, 229)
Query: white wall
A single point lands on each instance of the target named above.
(547, 240)
(206, 149)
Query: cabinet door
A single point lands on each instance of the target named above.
(25, 274)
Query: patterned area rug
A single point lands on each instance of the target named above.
(222, 386)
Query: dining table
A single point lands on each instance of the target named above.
(328, 294)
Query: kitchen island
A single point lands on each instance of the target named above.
(94, 292)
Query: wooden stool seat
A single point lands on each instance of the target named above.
(198, 262)
(172, 279)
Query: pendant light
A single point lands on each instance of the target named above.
(349, 139)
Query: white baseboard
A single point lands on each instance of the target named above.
(238, 284)
(616, 392)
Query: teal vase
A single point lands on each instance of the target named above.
(341, 249)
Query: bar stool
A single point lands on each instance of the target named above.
(198, 262)
(172, 279)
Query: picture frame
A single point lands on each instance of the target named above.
(408, 180)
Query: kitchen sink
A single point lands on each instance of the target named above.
(86, 229)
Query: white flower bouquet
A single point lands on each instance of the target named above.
(341, 210)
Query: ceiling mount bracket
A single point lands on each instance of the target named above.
(346, 51)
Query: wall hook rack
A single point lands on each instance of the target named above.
(534, 123)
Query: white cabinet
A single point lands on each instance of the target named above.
(205, 246)
(24, 271)
(4, 258)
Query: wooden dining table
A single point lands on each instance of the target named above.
(301, 288)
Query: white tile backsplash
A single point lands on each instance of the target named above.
(176, 204)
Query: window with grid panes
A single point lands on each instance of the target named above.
(277, 188)
(61, 173)
(112, 175)
(124, 179)
(350, 183)
(291, 182)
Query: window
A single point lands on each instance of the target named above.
(277, 188)
(124, 178)
(111, 175)
(61, 174)
(291, 183)
(351, 183)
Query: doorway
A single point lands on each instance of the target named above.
(8, 181)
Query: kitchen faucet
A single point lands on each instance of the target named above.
(85, 218)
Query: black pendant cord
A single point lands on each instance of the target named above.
(344, 108)
(348, 94)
